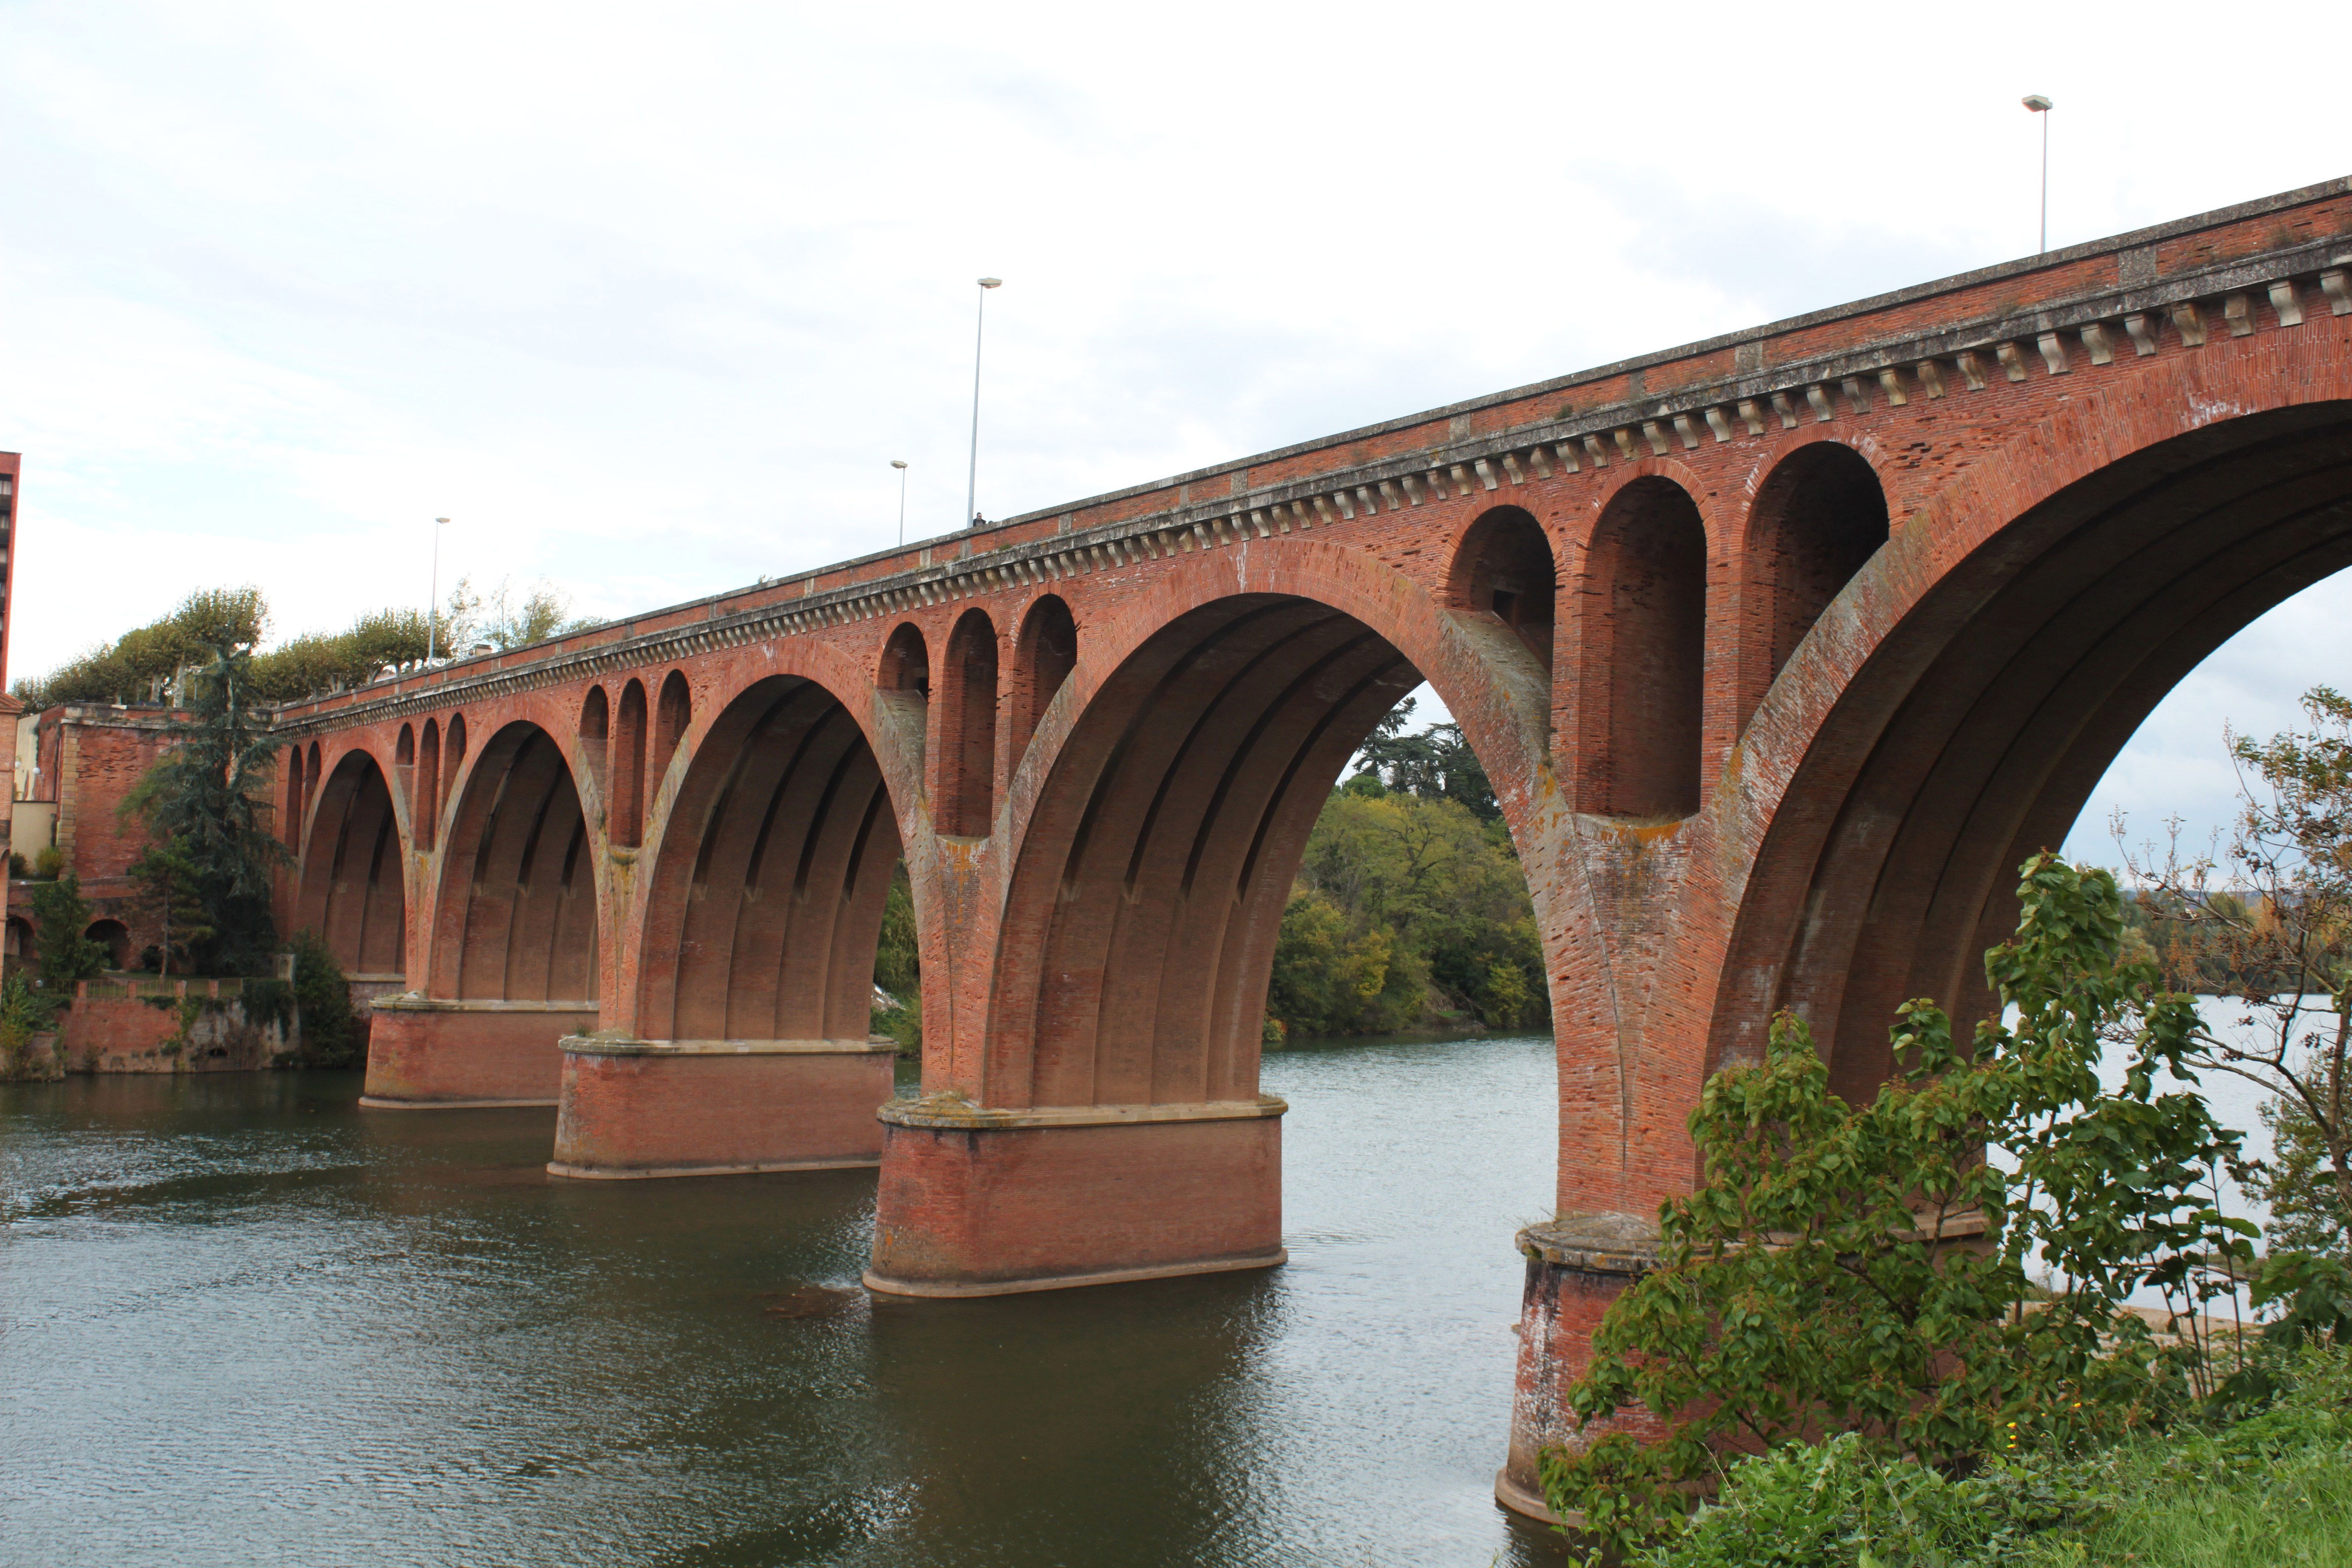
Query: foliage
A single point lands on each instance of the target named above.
(1809, 1286)
(898, 968)
(329, 1026)
(208, 797)
(26, 1012)
(153, 663)
(1436, 763)
(318, 662)
(506, 617)
(2297, 1184)
(2270, 1488)
(60, 917)
(49, 864)
(1844, 1503)
(169, 901)
(2266, 922)
(140, 664)
(1409, 910)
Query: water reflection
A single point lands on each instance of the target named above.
(242, 1321)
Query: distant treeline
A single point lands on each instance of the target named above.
(144, 665)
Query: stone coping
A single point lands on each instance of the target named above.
(622, 1045)
(951, 1110)
(1594, 1242)
(1601, 1242)
(413, 1002)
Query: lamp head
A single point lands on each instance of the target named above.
(992, 282)
(440, 520)
(2036, 102)
(896, 463)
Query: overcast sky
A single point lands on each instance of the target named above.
(647, 298)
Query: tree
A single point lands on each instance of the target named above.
(1436, 763)
(2266, 922)
(60, 924)
(206, 797)
(170, 899)
(1812, 1285)
(1408, 910)
(143, 664)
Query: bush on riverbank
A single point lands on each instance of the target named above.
(1813, 1285)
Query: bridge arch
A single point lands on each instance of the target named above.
(353, 862)
(1174, 782)
(517, 911)
(1986, 668)
(763, 899)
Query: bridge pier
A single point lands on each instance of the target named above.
(634, 1107)
(1577, 1265)
(978, 1201)
(431, 1053)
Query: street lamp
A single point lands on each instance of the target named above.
(2041, 106)
(432, 602)
(972, 479)
(901, 467)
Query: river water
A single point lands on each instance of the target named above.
(242, 1321)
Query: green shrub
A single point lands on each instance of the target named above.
(330, 1026)
(24, 1012)
(60, 917)
(1802, 1290)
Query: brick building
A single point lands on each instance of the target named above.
(84, 758)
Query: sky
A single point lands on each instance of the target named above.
(645, 298)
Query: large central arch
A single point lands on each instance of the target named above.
(1979, 723)
(765, 904)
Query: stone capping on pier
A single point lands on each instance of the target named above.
(953, 1110)
(417, 1001)
(1594, 1243)
(601, 1044)
(2272, 290)
(1608, 1243)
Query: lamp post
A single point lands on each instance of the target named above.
(972, 479)
(901, 467)
(2041, 106)
(432, 602)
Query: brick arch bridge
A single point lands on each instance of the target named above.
(1781, 650)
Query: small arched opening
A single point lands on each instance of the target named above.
(1042, 658)
(906, 662)
(672, 714)
(115, 938)
(454, 753)
(20, 945)
(627, 769)
(1504, 569)
(1640, 670)
(967, 774)
(596, 737)
(1819, 518)
(424, 804)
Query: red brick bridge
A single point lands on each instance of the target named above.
(1781, 649)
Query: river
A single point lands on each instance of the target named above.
(243, 1321)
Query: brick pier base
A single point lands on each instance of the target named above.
(976, 1202)
(711, 1108)
(1577, 1265)
(431, 1054)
